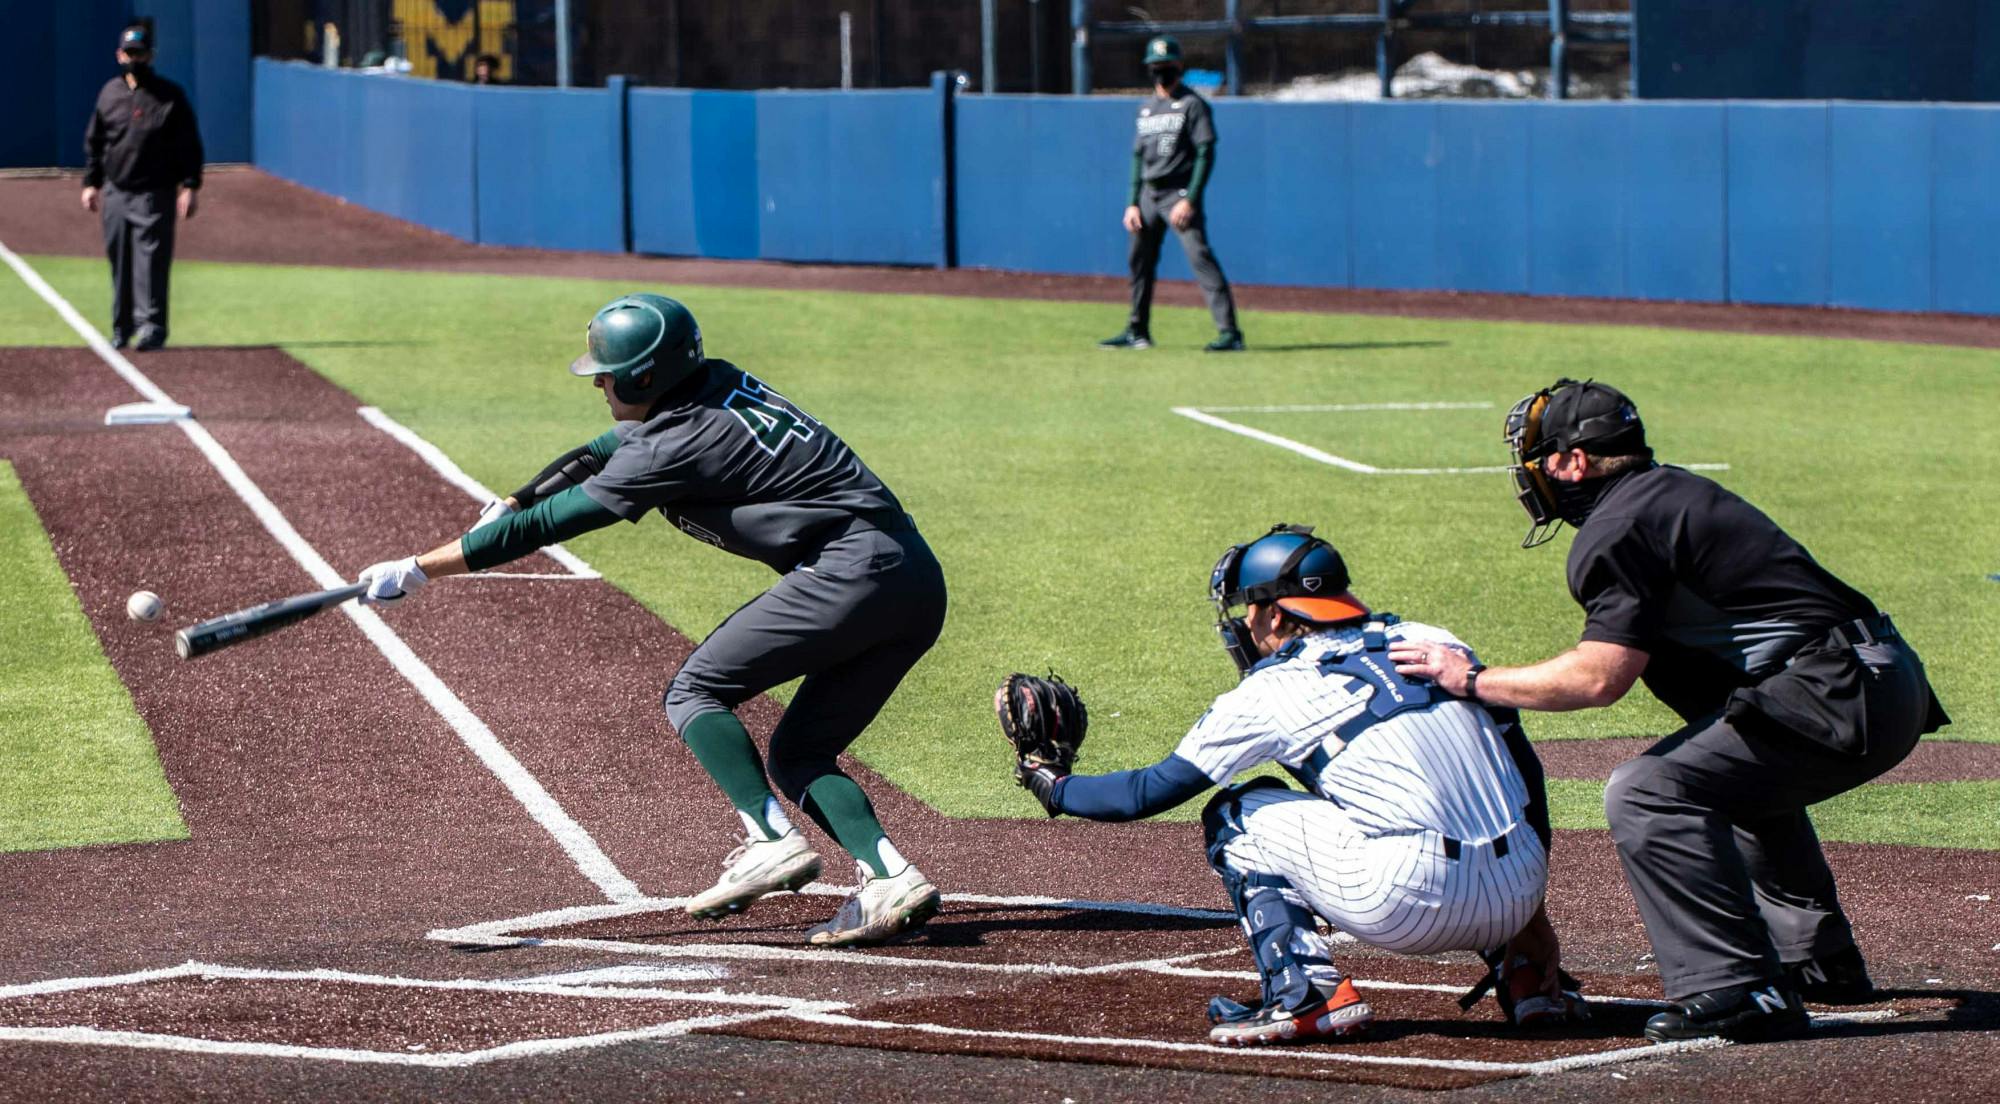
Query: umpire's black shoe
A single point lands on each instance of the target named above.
(1228, 341)
(150, 338)
(1130, 339)
(1745, 1013)
(119, 340)
(1840, 978)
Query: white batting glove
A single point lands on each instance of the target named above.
(493, 511)
(390, 581)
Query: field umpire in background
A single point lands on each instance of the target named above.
(1793, 685)
(1172, 156)
(142, 168)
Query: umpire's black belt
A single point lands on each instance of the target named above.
(1452, 847)
(1865, 630)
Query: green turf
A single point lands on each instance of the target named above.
(77, 764)
(1917, 814)
(1077, 517)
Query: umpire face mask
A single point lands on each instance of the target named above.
(1568, 415)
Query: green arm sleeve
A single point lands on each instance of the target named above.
(1138, 177)
(603, 445)
(1204, 160)
(551, 521)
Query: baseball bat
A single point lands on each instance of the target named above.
(245, 624)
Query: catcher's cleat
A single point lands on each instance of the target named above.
(1127, 340)
(1537, 1004)
(1334, 1015)
(1745, 1013)
(1835, 979)
(878, 910)
(755, 868)
(1228, 341)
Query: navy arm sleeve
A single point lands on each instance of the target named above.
(1132, 794)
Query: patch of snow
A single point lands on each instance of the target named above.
(1432, 76)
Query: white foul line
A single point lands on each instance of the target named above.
(1202, 415)
(1346, 408)
(577, 843)
(458, 477)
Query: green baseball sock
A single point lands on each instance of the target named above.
(723, 747)
(842, 811)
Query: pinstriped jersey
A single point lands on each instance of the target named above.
(1441, 768)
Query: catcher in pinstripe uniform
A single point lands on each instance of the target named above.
(1422, 826)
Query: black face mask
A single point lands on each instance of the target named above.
(135, 68)
(1575, 501)
(1167, 76)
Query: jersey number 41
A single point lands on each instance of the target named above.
(769, 416)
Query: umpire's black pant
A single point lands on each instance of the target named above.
(139, 241)
(1154, 206)
(1711, 822)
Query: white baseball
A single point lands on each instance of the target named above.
(144, 606)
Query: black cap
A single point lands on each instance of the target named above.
(136, 38)
(1595, 417)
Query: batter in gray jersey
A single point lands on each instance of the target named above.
(734, 464)
(860, 597)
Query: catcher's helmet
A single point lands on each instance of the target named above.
(1288, 565)
(1164, 50)
(648, 344)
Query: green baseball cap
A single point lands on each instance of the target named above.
(1164, 50)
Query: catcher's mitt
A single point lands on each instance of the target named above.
(1044, 719)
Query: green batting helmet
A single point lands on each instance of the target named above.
(648, 344)
(1164, 50)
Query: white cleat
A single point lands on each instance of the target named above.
(878, 910)
(755, 868)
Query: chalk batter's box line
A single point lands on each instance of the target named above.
(758, 1006)
(502, 933)
(765, 1007)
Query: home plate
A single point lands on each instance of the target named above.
(146, 413)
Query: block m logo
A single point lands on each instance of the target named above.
(441, 43)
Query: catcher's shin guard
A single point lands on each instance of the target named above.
(1292, 960)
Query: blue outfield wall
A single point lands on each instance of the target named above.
(1884, 206)
(694, 173)
(551, 167)
(401, 147)
(855, 177)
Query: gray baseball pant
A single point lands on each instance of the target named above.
(852, 621)
(1711, 826)
(1144, 255)
(139, 241)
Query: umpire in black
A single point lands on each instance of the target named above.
(1793, 687)
(142, 169)
(1172, 156)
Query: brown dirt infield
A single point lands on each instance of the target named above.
(336, 820)
(255, 218)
